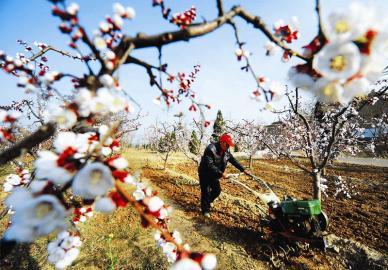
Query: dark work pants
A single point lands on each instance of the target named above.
(210, 190)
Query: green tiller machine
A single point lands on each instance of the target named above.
(296, 220)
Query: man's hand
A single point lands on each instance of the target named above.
(225, 176)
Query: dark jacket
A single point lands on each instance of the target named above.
(213, 162)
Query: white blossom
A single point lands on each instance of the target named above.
(100, 43)
(63, 235)
(38, 185)
(95, 179)
(83, 99)
(105, 27)
(355, 88)
(46, 167)
(72, 8)
(13, 179)
(118, 20)
(185, 264)
(119, 163)
(65, 118)
(155, 203)
(177, 237)
(17, 197)
(106, 151)
(56, 255)
(105, 205)
(209, 262)
(119, 9)
(241, 53)
(337, 61)
(35, 217)
(107, 80)
(110, 55)
(300, 80)
(138, 194)
(130, 13)
(50, 76)
(346, 25)
(278, 90)
(156, 101)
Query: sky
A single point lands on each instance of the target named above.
(220, 81)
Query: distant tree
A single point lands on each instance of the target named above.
(167, 145)
(219, 127)
(194, 144)
(193, 140)
(250, 137)
(165, 139)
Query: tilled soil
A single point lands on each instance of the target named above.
(362, 218)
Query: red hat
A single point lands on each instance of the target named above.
(227, 139)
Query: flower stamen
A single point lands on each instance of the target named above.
(338, 63)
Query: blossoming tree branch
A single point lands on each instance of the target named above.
(340, 64)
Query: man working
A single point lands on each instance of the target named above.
(212, 169)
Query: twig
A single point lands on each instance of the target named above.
(51, 48)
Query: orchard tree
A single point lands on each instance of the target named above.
(166, 139)
(194, 143)
(341, 61)
(193, 140)
(250, 138)
(219, 126)
(321, 134)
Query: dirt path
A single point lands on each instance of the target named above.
(204, 235)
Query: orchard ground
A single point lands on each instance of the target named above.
(117, 241)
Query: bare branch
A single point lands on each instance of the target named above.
(197, 30)
(42, 134)
(319, 15)
(51, 48)
(192, 31)
(39, 119)
(220, 8)
(258, 23)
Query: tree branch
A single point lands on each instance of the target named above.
(336, 128)
(307, 126)
(258, 23)
(319, 15)
(192, 31)
(42, 134)
(220, 8)
(197, 30)
(51, 48)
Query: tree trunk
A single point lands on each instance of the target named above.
(323, 172)
(250, 162)
(317, 185)
(165, 161)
